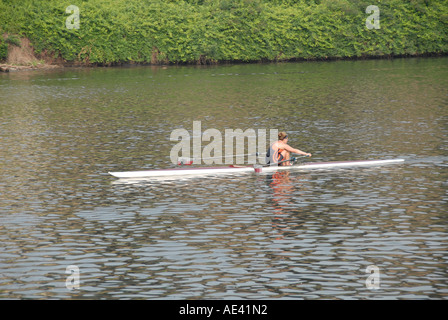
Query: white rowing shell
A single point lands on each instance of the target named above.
(243, 169)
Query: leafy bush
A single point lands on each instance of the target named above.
(14, 40)
(3, 50)
(209, 31)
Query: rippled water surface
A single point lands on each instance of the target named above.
(289, 235)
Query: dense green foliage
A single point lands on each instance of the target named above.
(3, 50)
(204, 31)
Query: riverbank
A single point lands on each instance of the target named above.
(99, 33)
(8, 68)
(20, 56)
(4, 67)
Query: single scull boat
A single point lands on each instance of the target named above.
(245, 169)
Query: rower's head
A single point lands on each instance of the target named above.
(283, 136)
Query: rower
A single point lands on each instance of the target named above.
(280, 152)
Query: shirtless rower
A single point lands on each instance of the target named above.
(279, 152)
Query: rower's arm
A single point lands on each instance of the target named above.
(293, 150)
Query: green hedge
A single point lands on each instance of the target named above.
(204, 31)
(3, 50)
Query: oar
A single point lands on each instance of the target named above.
(189, 161)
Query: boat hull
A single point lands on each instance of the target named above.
(247, 169)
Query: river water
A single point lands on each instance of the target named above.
(296, 235)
